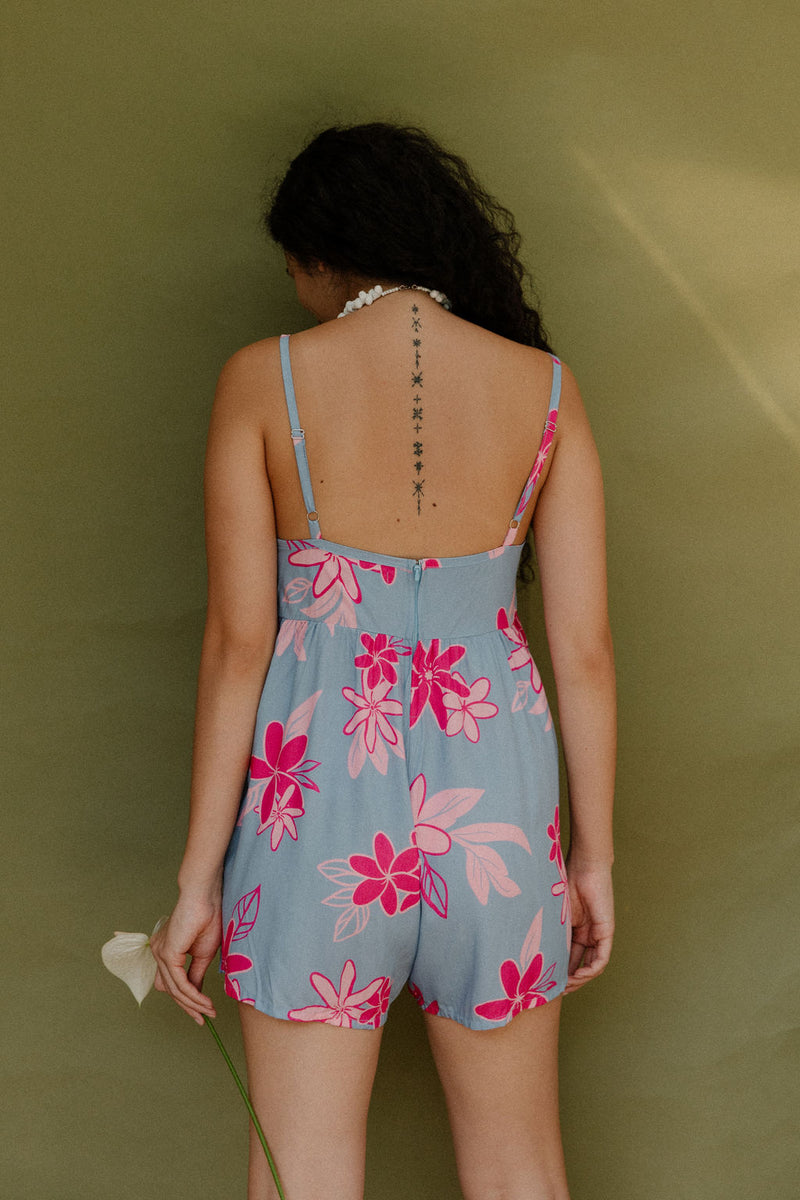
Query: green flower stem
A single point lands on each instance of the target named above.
(250, 1108)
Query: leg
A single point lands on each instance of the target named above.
(310, 1085)
(501, 1088)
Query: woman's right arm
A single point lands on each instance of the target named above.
(238, 641)
(569, 532)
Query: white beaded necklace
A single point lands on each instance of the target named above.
(377, 292)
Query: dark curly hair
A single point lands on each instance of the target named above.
(388, 201)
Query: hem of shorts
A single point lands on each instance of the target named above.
(470, 1021)
(271, 1010)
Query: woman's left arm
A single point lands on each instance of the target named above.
(238, 641)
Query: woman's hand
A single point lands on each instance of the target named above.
(592, 902)
(195, 928)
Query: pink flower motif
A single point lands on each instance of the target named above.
(286, 773)
(432, 1008)
(431, 677)
(379, 660)
(510, 624)
(433, 816)
(557, 856)
(387, 573)
(291, 633)
(466, 711)
(386, 874)
(231, 964)
(281, 817)
(333, 568)
(233, 989)
(373, 711)
(536, 470)
(244, 917)
(376, 1005)
(341, 1007)
(554, 833)
(526, 990)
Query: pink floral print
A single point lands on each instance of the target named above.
(363, 880)
(287, 773)
(386, 573)
(377, 1005)
(335, 588)
(536, 470)
(432, 1008)
(345, 1005)
(281, 818)
(509, 624)
(431, 678)
(373, 711)
(372, 728)
(557, 856)
(333, 568)
(379, 660)
(277, 779)
(291, 633)
(457, 705)
(354, 917)
(525, 983)
(466, 710)
(241, 923)
(433, 816)
(385, 874)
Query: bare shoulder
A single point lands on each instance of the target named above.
(249, 381)
(538, 364)
(571, 410)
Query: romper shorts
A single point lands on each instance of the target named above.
(399, 824)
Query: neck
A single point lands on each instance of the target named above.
(366, 299)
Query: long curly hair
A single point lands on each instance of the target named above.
(388, 201)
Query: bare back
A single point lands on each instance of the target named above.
(421, 430)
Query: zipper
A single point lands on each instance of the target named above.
(417, 579)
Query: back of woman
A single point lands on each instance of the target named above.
(375, 786)
(421, 429)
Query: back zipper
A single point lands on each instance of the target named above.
(417, 578)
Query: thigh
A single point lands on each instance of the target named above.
(310, 1084)
(501, 1088)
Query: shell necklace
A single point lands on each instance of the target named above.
(375, 294)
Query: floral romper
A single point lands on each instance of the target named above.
(400, 821)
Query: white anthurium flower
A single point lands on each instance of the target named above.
(128, 956)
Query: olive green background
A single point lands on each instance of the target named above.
(649, 154)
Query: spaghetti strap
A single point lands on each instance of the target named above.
(544, 447)
(298, 439)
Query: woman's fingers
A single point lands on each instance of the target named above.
(171, 977)
(187, 995)
(576, 952)
(198, 967)
(595, 955)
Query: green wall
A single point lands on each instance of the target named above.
(646, 151)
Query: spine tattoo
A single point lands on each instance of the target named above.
(416, 406)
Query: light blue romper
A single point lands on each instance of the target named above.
(399, 821)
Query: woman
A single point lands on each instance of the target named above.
(375, 778)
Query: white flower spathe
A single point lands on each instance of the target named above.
(128, 956)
